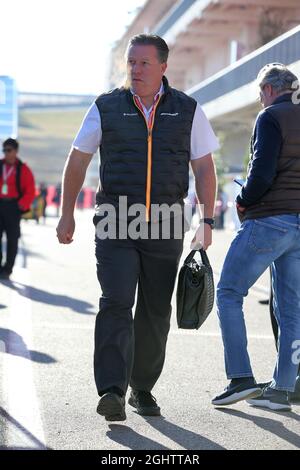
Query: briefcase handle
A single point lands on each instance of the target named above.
(203, 254)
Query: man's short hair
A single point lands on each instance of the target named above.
(277, 75)
(11, 143)
(151, 40)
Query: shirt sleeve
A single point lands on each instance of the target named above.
(27, 187)
(89, 135)
(267, 142)
(203, 138)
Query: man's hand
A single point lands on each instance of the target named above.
(240, 212)
(202, 238)
(65, 229)
(73, 178)
(205, 181)
(22, 207)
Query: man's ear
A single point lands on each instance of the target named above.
(164, 67)
(269, 89)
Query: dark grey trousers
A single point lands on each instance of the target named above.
(10, 217)
(132, 351)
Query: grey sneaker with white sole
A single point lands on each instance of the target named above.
(238, 390)
(276, 400)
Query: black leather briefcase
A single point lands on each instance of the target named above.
(195, 291)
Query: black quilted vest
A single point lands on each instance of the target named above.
(124, 148)
(283, 197)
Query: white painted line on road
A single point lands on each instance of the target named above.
(24, 429)
(65, 326)
(69, 326)
(213, 334)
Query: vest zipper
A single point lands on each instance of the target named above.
(149, 156)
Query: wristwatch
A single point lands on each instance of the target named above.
(208, 221)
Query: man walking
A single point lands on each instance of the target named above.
(269, 204)
(17, 191)
(148, 133)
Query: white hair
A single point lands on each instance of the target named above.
(277, 75)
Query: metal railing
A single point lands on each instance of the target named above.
(284, 49)
(171, 19)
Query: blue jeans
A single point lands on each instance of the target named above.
(258, 244)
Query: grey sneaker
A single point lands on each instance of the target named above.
(294, 397)
(237, 390)
(276, 400)
(112, 407)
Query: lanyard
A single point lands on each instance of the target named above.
(149, 114)
(6, 175)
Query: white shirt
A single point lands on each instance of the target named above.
(147, 112)
(203, 139)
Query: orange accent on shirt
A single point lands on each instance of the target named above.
(149, 124)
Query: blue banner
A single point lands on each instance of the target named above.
(8, 108)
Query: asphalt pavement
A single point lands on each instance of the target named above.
(47, 394)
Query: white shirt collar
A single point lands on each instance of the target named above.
(158, 94)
